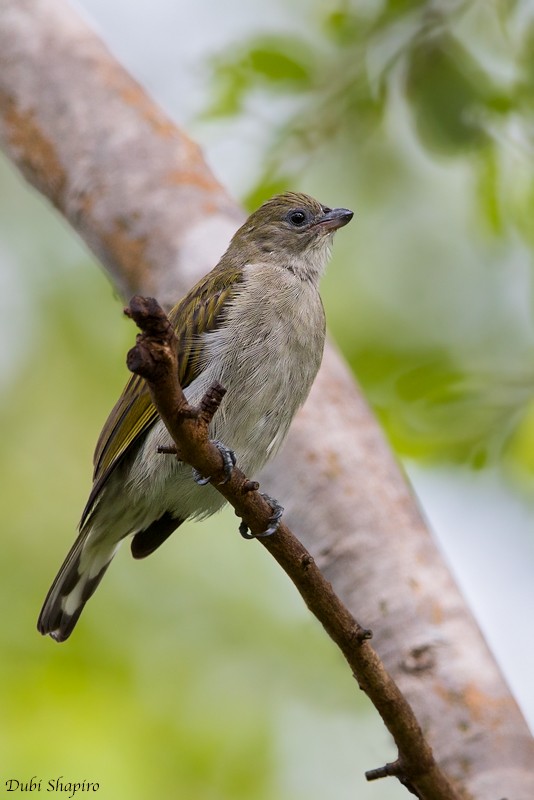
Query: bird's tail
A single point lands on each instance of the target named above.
(76, 581)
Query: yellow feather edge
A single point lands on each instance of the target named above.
(133, 414)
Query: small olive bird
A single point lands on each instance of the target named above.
(256, 325)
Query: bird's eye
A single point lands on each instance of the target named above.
(297, 217)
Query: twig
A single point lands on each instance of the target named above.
(155, 358)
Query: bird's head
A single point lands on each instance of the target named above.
(292, 230)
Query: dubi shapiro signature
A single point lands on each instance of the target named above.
(60, 784)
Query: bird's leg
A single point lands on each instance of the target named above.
(274, 520)
(229, 462)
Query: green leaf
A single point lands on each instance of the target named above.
(343, 26)
(282, 60)
(272, 62)
(230, 84)
(448, 91)
(434, 410)
(520, 450)
(488, 188)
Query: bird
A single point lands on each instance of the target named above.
(256, 325)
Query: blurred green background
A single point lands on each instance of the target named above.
(198, 674)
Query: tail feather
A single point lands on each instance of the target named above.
(84, 568)
(76, 581)
(150, 538)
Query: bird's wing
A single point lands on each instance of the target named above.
(199, 311)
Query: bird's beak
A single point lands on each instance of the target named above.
(335, 219)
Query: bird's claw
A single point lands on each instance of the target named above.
(229, 462)
(199, 479)
(274, 520)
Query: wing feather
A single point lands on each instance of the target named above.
(201, 310)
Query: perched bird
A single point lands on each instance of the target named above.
(256, 325)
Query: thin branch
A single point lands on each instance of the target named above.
(154, 357)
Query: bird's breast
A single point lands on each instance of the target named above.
(266, 354)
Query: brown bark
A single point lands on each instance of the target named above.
(139, 193)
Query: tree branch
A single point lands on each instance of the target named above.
(137, 190)
(154, 357)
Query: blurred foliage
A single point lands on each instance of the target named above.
(421, 115)
(183, 679)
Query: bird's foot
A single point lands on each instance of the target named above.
(274, 520)
(229, 462)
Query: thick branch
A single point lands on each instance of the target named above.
(137, 190)
(154, 357)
